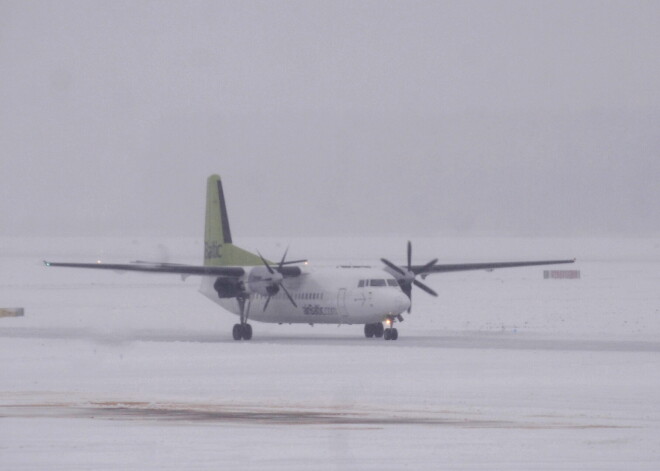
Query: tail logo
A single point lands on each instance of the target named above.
(212, 250)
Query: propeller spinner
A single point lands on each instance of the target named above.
(276, 279)
(407, 278)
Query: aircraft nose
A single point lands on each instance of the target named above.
(401, 302)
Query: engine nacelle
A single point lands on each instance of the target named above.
(261, 281)
(228, 287)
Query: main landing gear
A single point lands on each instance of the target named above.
(243, 331)
(373, 330)
(378, 330)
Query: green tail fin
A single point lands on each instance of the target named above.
(218, 247)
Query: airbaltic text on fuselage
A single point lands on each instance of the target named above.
(317, 310)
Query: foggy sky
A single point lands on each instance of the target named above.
(341, 118)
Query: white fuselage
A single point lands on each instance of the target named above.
(324, 296)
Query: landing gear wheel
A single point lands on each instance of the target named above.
(379, 330)
(369, 330)
(242, 331)
(237, 332)
(247, 332)
(391, 334)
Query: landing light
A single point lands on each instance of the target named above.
(388, 322)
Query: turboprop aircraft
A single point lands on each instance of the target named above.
(254, 288)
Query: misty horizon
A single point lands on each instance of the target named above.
(343, 119)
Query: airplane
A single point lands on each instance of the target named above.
(254, 288)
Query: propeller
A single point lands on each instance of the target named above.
(276, 280)
(407, 277)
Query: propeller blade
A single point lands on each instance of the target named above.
(426, 267)
(288, 295)
(393, 266)
(422, 286)
(293, 262)
(270, 270)
(279, 267)
(266, 304)
(408, 277)
(409, 255)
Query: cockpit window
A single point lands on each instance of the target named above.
(377, 283)
(361, 284)
(392, 282)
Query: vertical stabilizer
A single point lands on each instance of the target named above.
(218, 247)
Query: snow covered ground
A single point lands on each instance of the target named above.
(505, 370)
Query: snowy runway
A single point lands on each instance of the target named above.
(134, 372)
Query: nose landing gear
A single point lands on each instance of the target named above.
(391, 334)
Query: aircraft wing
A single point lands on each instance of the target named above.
(428, 270)
(186, 270)
(157, 268)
